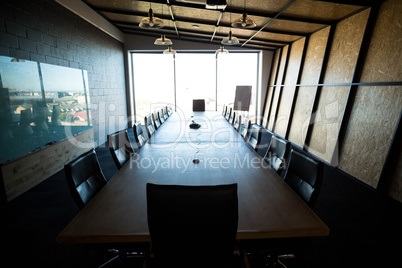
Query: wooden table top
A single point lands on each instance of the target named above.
(268, 208)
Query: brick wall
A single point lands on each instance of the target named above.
(44, 31)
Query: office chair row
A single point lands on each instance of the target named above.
(304, 175)
(301, 172)
(85, 179)
(84, 174)
(119, 142)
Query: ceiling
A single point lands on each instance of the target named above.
(279, 22)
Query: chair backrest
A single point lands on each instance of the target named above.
(84, 178)
(266, 137)
(304, 176)
(255, 136)
(149, 126)
(237, 122)
(139, 134)
(276, 155)
(246, 129)
(155, 118)
(165, 113)
(224, 109)
(197, 222)
(229, 113)
(169, 110)
(199, 105)
(120, 147)
(161, 117)
(232, 117)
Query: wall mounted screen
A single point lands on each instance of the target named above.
(40, 104)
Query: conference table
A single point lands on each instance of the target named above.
(268, 208)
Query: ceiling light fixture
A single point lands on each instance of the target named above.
(169, 50)
(230, 40)
(221, 50)
(163, 41)
(151, 22)
(244, 21)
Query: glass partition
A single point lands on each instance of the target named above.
(40, 104)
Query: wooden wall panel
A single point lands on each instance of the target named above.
(288, 92)
(327, 122)
(278, 88)
(370, 130)
(314, 56)
(310, 75)
(340, 69)
(345, 49)
(270, 93)
(275, 65)
(386, 43)
(22, 174)
(302, 114)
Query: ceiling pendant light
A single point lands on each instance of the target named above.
(230, 40)
(222, 50)
(169, 50)
(244, 21)
(151, 22)
(163, 41)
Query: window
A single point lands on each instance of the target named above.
(163, 80)
(153, 83)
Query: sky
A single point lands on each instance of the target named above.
(25, 76)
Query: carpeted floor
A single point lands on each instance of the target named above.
(366, 228)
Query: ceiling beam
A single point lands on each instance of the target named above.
(166, 30)
(288, 4)
(227, 10)
(204, 36)
(193, 21)
(205, 40)
(367, 3)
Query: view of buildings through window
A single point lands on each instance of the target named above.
(162, 80)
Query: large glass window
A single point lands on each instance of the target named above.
(237, 69)
(195, 79)
(163, 80)
(153, 83)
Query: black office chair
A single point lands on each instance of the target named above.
(84, 178)
(276, 155)
(165, 113)
(255, 136)
(245, 131)
(237, 122)
(120, 147)
(161, 117)
(149, 126)
(139, 134)
(224, 110)
(232, 117)
(155, 119)
(266, 137)
(169, 111)
(192, 226)
(229, 113)
(304, 176)
(199, 105)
